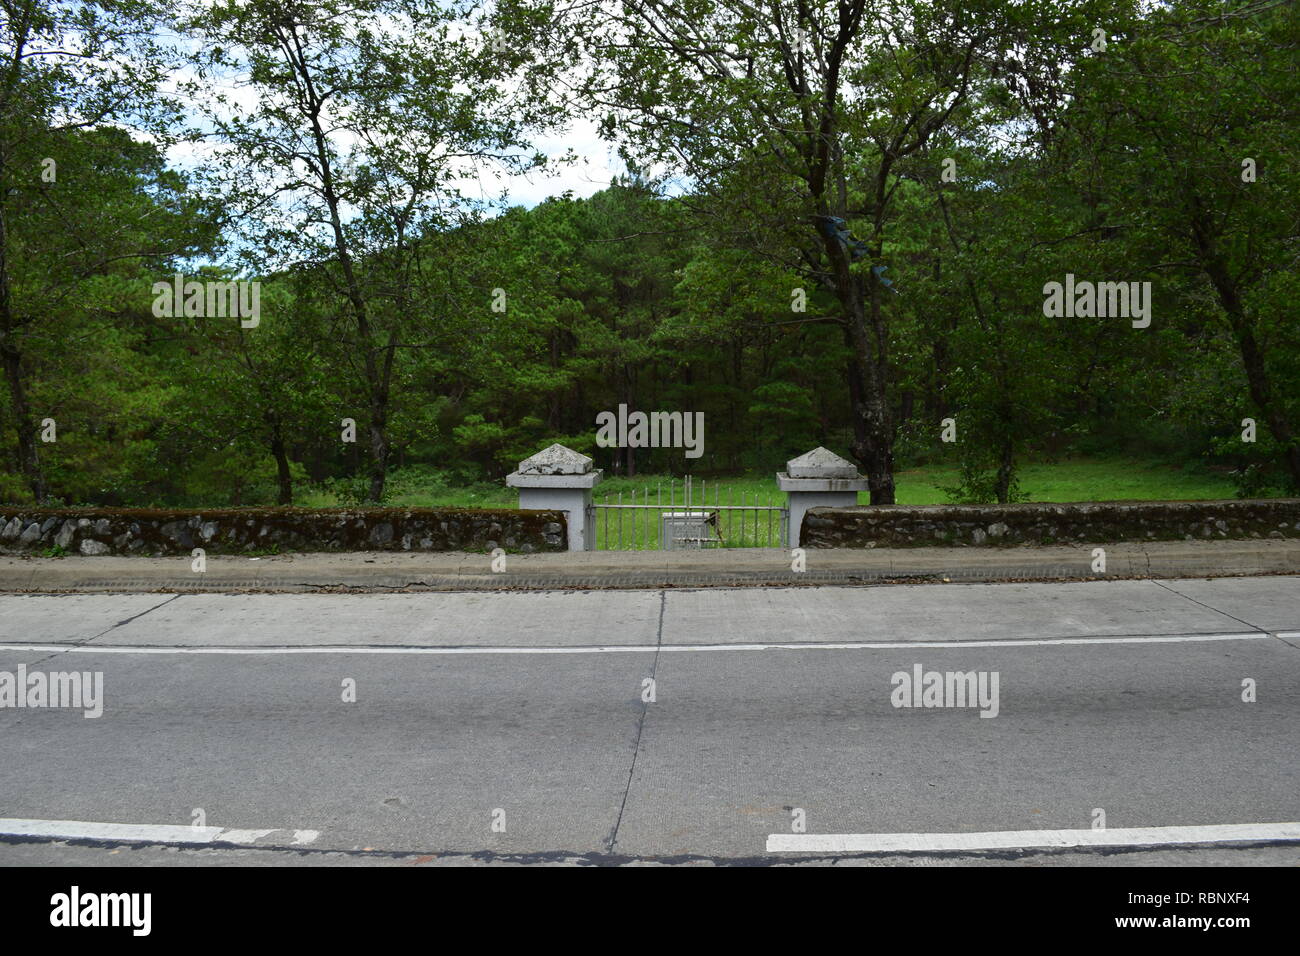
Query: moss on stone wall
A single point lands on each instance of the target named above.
(1043, 523)
(261, 530)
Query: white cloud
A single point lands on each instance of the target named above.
(597, 163)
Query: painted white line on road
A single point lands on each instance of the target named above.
(142, 832)
(1028, 839)
(632, 648)
(1288, 635)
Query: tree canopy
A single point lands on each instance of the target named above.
(839, 226)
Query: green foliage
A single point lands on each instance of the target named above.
(697, 283)
(980, 483)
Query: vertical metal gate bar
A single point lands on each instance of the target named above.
(697, 525)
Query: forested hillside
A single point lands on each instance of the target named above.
(975, 151)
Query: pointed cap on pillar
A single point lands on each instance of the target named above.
(555, 460)
(820, 463)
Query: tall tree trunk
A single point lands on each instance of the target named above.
(283, 474)
(378, 448)
(1006, 468)
(29, 461)
(873, 443)
(377, 379)
(28, 455)
(629, 453)
(1252, 357)
(873, 427)
(854, 375)
(1261, 393)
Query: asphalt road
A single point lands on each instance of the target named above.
(528, 710)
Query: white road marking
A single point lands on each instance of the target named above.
(1028, 839)
(142, 832)
(632, 648)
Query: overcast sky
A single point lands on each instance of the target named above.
(598, 164)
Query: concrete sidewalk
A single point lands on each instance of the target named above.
(458, 571)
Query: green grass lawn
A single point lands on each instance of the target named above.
(1080, 480)
(439, 496)
(1071, 480)
(1063, 481)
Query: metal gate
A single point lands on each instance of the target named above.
(655, 518)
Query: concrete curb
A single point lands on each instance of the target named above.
(632, 570)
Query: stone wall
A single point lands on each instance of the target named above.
(272, 530)
(1041, 523)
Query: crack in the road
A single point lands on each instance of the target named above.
(82, 643)
(113, 627)
(1254, 627)
(612, 840)
(133, 617)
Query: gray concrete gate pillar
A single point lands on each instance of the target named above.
(819, 479)
(560, 479)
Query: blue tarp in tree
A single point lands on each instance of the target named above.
(833, 227)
